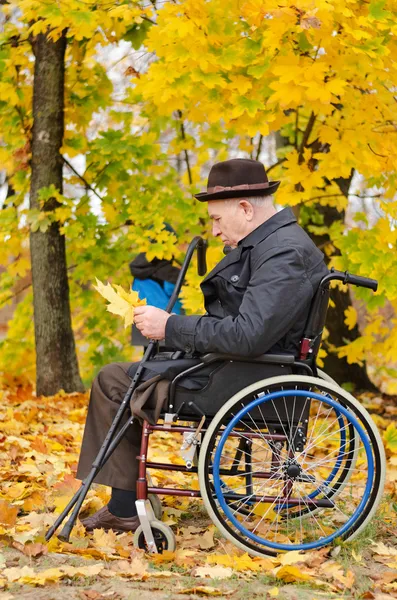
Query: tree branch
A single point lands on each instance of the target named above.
(26, 287)
(338, 195)
(376, 154)
(148, 19)
(258, 151)
(276, 164)
(183, 136)
(306, 135)
(88, 185)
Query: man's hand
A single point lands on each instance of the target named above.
(151, 321)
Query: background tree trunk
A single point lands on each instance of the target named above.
(56, 359)
(339, 334)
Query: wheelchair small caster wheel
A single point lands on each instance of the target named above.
(156, 505)
(163, 535)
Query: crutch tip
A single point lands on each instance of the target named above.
(49, 534)
(65, 534)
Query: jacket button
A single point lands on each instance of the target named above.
(234, 278)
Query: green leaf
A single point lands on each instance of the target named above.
(361, 216)
(376, 10)
(304, 43)
(137, 34)
(258, 71)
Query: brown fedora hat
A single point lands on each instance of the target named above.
(237, 178)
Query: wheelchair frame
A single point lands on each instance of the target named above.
(154, 535)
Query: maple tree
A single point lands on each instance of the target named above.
(321, 75)
(215, 78)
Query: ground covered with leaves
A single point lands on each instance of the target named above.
(39, 446)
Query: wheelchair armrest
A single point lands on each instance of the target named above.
(263, 358)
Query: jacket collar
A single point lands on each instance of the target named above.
(229, 259)
(280, 219)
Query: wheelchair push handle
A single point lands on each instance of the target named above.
(201, 245)
(366, 282)
(347, 277)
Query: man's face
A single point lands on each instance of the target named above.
(229, 220)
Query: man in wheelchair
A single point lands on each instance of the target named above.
(257, 301)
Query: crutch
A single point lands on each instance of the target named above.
(112, 439)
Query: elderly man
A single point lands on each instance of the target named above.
(257, 300)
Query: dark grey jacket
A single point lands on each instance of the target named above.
(258, 297)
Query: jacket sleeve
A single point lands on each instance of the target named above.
(278, 292)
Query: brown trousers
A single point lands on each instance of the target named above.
(107, 393)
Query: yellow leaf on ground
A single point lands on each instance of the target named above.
(28, 575)
(15, 573)
(33, 501)
(290, 574)
(213, 572)
(8, 513)
(134, 569)
(104, 541)
(205, 591)
(390, 437)
(292, 557)
(167, 574)
(357, 557)
(89, 571)
(207, 540)
(238, 563)
(383, 550)
(166, 556)
(31, 549)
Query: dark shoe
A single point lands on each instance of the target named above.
(103, 519)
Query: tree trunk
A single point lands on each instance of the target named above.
(56, 359)
(339, 334)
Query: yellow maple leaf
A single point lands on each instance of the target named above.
(104, 540)
(120, 302)
(238, 563)
(350, 317)
(205, 590)
(390, 437)
(290, 574)
(217, 572)
(292, 557)
(8, 513)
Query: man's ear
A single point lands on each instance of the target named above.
(248, 209)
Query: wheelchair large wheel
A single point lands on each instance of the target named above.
(273, 455)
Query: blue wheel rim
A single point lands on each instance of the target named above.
(338, 409)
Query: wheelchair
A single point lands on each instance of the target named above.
(286, 462)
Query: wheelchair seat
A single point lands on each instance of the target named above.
(226, 378)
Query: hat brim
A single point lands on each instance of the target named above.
(226, 194)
